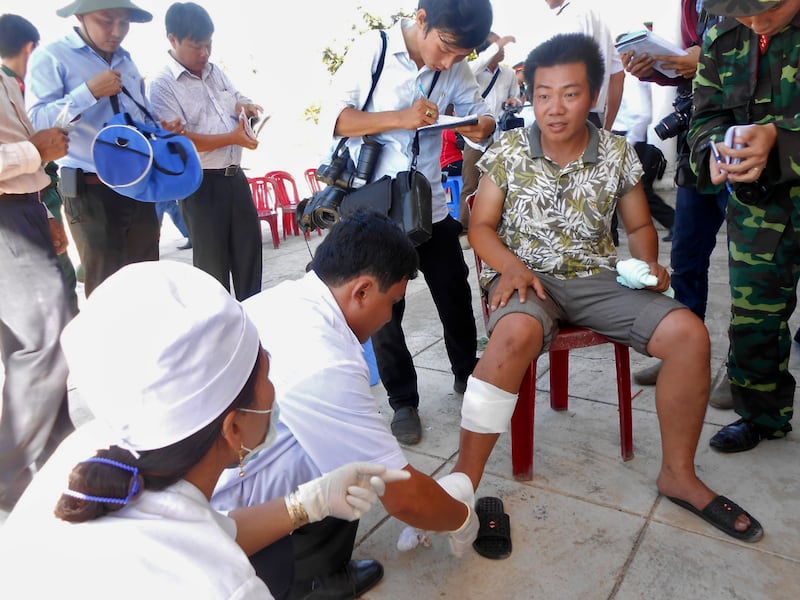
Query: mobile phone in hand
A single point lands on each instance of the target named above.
(730, 135)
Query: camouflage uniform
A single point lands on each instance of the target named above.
(736, 84)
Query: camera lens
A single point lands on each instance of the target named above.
(325, 212)
(367, 159)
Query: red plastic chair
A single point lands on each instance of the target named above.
(314, 185)
(281, 182)
(567, 338)
(265, 206)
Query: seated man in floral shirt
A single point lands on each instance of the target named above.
(542, 224)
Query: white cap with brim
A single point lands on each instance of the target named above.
(82, 7)
(158, 352)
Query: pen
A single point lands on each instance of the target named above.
(422, 90)
(718, 158)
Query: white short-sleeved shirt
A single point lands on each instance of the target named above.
(165, 544)
(328, 416)
(577, 16)
(398, 88)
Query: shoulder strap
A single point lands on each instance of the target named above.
(115, 104)
(491, 84)
(376, 75)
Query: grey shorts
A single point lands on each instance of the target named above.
(597, 302)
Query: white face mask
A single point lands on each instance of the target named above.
(272, 431)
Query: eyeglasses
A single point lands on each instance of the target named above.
(255, 411)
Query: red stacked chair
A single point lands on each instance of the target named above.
(265, 206)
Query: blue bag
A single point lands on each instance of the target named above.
(145, 162)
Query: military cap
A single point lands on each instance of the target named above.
(738, 8)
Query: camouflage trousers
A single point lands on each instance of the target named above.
(764, 265)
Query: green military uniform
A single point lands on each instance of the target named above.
(737, 83)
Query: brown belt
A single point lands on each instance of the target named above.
(91, 179)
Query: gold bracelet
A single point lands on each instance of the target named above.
(297, 514)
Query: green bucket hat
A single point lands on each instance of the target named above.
(82, 7)
(738, 8)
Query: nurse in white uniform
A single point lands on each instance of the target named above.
(176, 378)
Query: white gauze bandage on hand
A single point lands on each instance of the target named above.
(486, 408)
(635, 274)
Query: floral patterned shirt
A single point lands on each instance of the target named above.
(558, 221)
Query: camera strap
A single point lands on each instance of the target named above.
(491, 84)
(376, 75)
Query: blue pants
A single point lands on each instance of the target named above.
(173, 209)
(698, 218)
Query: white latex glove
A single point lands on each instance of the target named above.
(635, 274)
(459, 486)
(347, 492)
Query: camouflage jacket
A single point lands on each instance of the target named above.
(735, 85)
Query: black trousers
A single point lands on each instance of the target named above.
(110, 231)
(225, 232)
(289, 565)
(442, 264)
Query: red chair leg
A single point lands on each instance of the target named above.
(622, 355)
(559, 380)
(273, 227)
(522, 427)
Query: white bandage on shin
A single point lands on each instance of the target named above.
(486, 408)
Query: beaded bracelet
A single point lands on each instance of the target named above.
(297, 514)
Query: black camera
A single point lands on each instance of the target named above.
(678, 121)
(342, 177)
(510, 119)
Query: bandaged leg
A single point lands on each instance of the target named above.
(486, 408)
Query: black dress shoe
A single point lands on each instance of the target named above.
(459, 385)
(352, 581)
(406, 426)
(744, 435)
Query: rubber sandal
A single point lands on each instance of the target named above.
(494, 534)
(722, 514)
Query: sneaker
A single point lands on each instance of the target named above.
(186, 246)
(648, 375)
(720, 396)
(406, 426)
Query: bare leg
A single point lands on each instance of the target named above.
(681, 341)
(516, 341)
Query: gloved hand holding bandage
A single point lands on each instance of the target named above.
(635, 274)
(459, 486)
(347, 492)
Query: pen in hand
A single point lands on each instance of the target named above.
(422, 90)
(718, 158)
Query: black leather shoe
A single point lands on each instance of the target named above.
(459, 385)
(744, 435)
(406, 426)
(352, 581)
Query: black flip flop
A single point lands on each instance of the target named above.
(722, 514)
(494, 535)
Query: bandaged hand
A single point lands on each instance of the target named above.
(635, 274)
(347, 492)
(459, 486)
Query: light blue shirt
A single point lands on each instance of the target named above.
(57, 75)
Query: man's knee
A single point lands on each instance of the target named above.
(680, 331)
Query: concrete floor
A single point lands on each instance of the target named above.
(588, 526)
